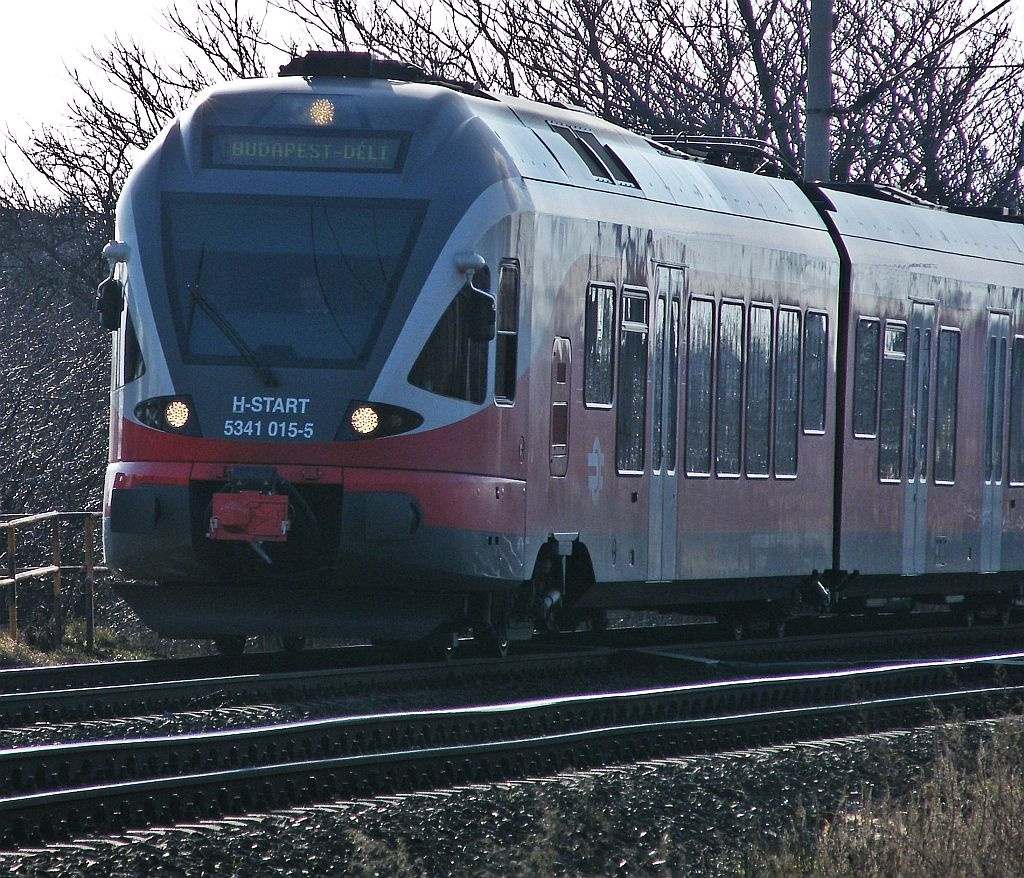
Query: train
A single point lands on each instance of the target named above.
(404, 359)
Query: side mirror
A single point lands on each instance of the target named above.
(483, 314)
(110, 303)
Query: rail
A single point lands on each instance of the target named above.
(11, 527)
(61, 789)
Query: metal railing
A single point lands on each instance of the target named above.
(11, 528)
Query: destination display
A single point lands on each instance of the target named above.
(304, 150)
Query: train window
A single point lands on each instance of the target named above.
(758, 415)
(452, 363)
(507, 338)
(561, 393)
(300, 281)
(920, 396)
(700, 345)
(787, 390)
(598, 345)
(658, 383)
(1016, 411)
(729, 395)
(132, 364)
(890, 424)
(865, 378)
(815, 371)
(946, 404)
(632, 401)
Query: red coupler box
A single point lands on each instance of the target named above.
(249, 516)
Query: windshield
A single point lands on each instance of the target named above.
(301, 281)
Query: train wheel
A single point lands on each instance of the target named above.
(230, 644)
(733, 627)
(293, 644)
(965, 616)
(495, 641)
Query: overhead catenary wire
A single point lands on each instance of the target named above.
(883, 84)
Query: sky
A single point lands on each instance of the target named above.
(38, 38)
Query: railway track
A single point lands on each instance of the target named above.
(64, 790)
(34, 704)
(119, 689)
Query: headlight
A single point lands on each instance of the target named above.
(172, 414)
(372, 420)
(321, 112)
(177, 413)
(364, 420)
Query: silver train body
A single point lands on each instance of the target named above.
(453, 361)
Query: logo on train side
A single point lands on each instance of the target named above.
(595, 462)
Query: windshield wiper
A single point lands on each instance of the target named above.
(221, 322)
(248, 354)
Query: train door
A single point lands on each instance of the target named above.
(992, 456)
(561, 360)
(664, 486)
(919, 384)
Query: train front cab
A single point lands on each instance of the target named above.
(417, 524)
(406, 549)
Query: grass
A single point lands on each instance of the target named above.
(966, 818)
(37, 648)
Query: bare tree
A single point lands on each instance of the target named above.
(917, 107)
(52, 363)
(86, 159)
(938, 117)
(53, 366)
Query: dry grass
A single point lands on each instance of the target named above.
(966, 818)
(38, 650)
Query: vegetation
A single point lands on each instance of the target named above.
(965, 819)
(38, 649)
(927, 92)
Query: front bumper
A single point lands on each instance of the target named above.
(402, 530)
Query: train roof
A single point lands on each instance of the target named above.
(658, 172)
(545, 143)
(926, 229)
(568, 146)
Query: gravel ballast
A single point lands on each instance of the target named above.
(696, 816)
